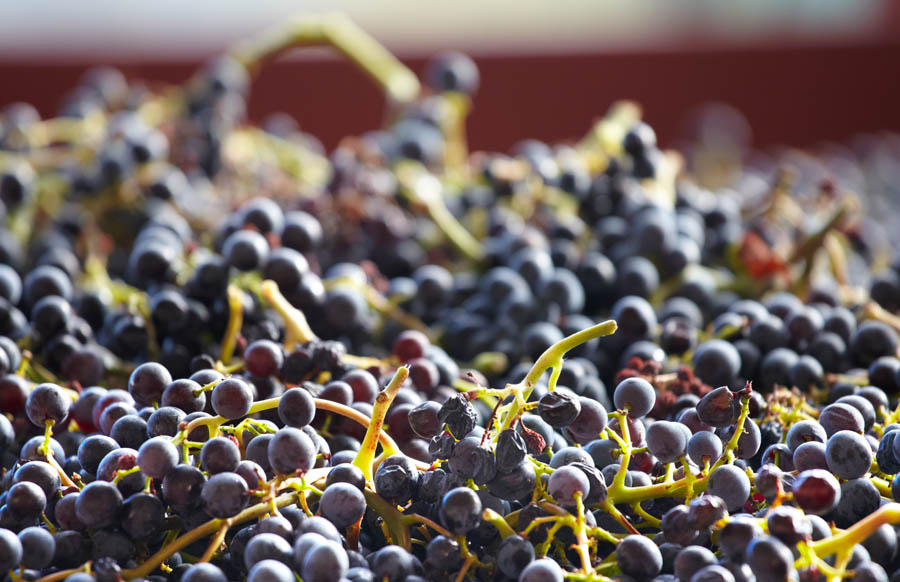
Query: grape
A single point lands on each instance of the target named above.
(713, 573)
(423, 419)
(98, 504)
(267, 546)
(731, 484)
(510, 450)
(148, 382)
(736, 535)
(10, 550)
(342, 504)
(848, 455)
(864, 407)
(810, 455)
(219, 455)
(717, 408)
(676, 526)
(515, 484)
(470, 461)
(748, 443)
(204, 572)
(717, 362)
(143, 515)
(705, 511)
(296, 408)
(542, 570)
(157, 457)
(565, 483)
(589, 423)
(692, 559)
(460, 510)
(232, 398)
(443, 553)
(290, 450)
(224, 495)
(392, 563)
(184, 395)
(396, 479)
(181, 488)
(666, 441)
(514, 555)
(263, 357)
(858, 498)
(788, 524)
(636, 396)
(269, 571)
(559, 409)
(769, 559)
(38, 547)
(704, 446)
(816, 491)
(459, 415)
(26, 500)
(805, 431)
(638, 557)
(47, 402)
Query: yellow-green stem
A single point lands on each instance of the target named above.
(235, 321)
(297, 330)
(366, 454)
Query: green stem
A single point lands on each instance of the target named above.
(497, 521)
(399, 532)
(297, 330)
(339, 32)
(422, 187)
(416, 518)
(551, 357)
(366, 454)
(235, 320)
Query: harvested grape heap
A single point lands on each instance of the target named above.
(228, 356)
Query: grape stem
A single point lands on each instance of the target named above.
(235, 321)
(498, 522)
(339, 32)
(215, 421)
(216, 541)
(416, 518)
(366, 455)
(183, 541)
(551, 358)
(297, 330)
(581, 535)
(688, 485)
(421, 187)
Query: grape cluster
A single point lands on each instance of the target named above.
(226, 355)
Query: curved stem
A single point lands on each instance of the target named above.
(386, 441)
(551, 357)
(235, 321)
(855, 534)
(498, 522)
(338, 31)
(394, 520)
(187, 539)
(421, 187)
(216, 541)
(366, 455)
(297, 330)
(416, 518)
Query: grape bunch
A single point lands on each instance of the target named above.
(228, 355)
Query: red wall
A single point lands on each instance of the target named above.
(798, 95)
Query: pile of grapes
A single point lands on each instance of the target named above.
(229, 356)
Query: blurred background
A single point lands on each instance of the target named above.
(800, 71)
